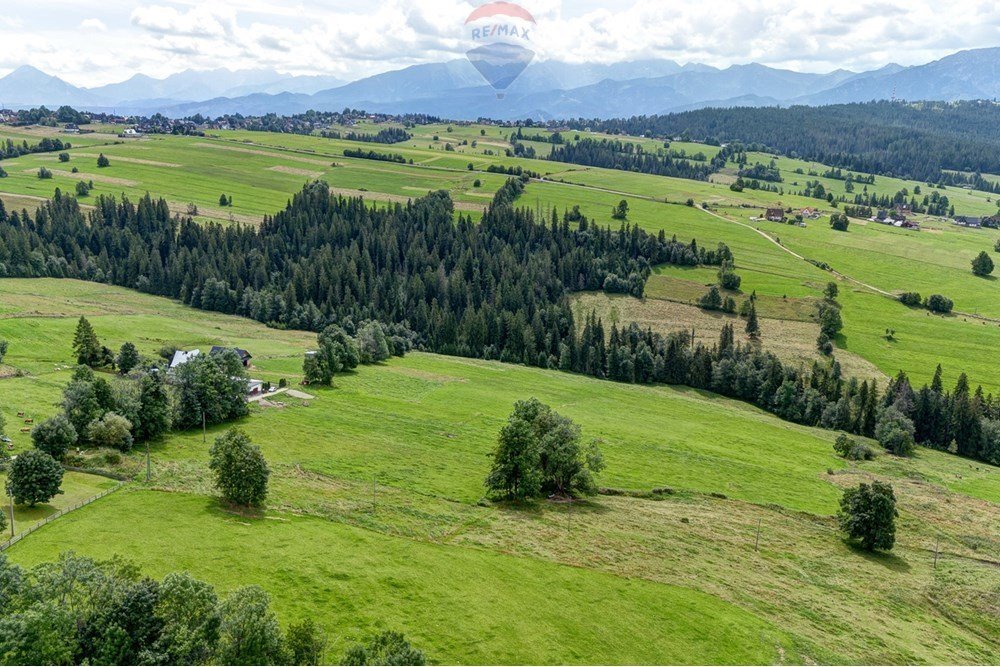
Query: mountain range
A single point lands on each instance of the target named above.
(545, 91)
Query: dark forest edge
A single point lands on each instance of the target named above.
(498, 290)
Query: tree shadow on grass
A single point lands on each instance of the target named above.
(225, 509)
(883, 558)
(538, 508)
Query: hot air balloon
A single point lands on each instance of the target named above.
(503, 50)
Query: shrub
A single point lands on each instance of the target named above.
(112, 431)
(894, 431)
(103, 161)
(387, 648)
(853, 450)
(939, 304)
(911, 299)
(64, 157)
(44, 173)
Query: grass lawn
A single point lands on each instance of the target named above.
(463, 605)
(77, 487)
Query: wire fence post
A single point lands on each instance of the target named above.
(937, 545)
(756, 544)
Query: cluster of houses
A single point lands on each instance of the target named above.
(181, 357)
(896, 217)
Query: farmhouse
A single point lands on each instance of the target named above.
(810, 214)
(181, 357)
(244, 356)
(774, 214)
(969, 221)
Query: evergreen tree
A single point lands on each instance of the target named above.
(85, 344)
(753, 326)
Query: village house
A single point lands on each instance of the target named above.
(774, 214)
(968, 221)
(244, 356)
(181, 357)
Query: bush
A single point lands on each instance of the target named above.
(54, 436)
(387, 648)
(103, 161)
(939, 304)
(44, 173)
(911, 299)
(112, 431)
(64, 157)
(868, 513)
(894, 431)
(34, 477)
(853, 450)
(241, 473)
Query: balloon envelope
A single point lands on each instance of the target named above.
(500, 63)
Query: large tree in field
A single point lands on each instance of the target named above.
(539, 453)
(239, 469)
(982, 265)
(868, 514)
(34, 477)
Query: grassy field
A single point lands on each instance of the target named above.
(376, 518)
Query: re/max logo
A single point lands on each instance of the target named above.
(500, 30)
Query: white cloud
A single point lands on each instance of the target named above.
(351, 39)
(93, 24)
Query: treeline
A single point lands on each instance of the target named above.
(374, 155)
(497, 289)
(79, 611)
(908, 140)
(9, 149)
(390, 135)
(627, 156)
(961, 421)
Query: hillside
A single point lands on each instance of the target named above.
(459, 573)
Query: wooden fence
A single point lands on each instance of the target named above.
(52, 517)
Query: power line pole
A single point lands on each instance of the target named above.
(12, 516)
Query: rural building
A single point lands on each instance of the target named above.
(181, 357)
(810, 214)
(969, 221)
(244, 356)
(255, 387)
(775, 214)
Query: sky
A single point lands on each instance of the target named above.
(94, 43)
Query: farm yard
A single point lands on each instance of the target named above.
(713, 539)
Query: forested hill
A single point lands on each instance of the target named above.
(907, 140)
(497, 289)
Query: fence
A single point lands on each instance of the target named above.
(52, 517)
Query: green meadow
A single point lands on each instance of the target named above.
(376, 517)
